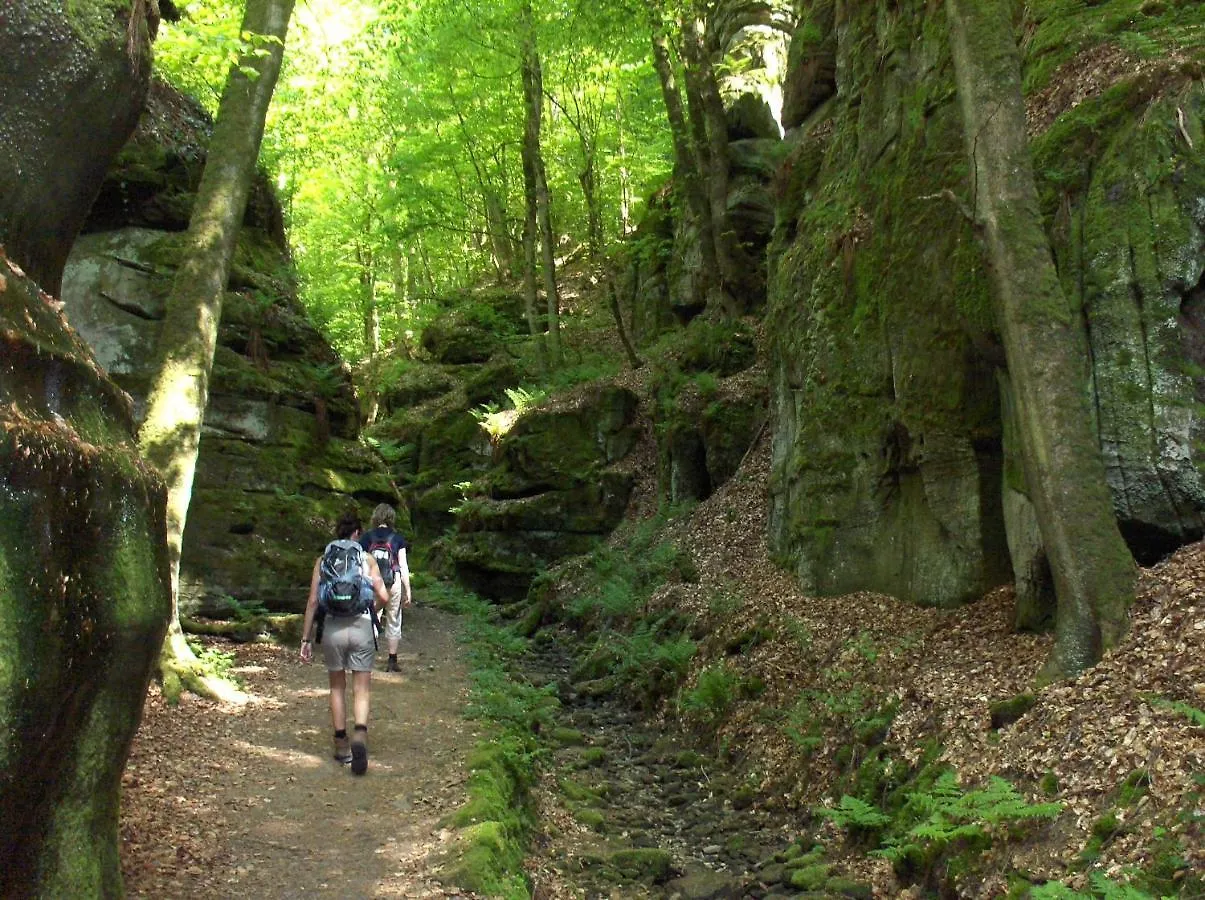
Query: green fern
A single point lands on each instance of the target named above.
(945, 815)
(853, 814)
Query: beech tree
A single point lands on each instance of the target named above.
(1044, 345)
(687, 171)
(535, 178)
(171, 432)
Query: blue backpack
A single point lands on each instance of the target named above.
(343, 585)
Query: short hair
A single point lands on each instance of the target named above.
(383, 515)
(348, 524)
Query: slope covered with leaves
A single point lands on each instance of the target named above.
(858, 711)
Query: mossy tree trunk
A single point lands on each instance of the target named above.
(171, 432)
(530, 153)
(686, 168)
(709, 130)
(1044, 344)
(536, 179)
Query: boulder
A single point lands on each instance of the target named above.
(83, 63)
(84, 578)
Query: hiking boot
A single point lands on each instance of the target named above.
(343, 750)
(359, 753)
(392, 666)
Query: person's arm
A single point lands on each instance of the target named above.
(403, 573)
(311, 609)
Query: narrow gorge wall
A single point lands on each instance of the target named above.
(84, 581)
(280, 455)
(891, 470)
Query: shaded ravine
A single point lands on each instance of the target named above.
(617, 785)
(258, 808)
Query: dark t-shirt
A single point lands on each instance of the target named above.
(384, 533)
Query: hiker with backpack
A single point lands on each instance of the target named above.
(346, 592)
(389, 549)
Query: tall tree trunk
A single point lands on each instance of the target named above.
(533, 96)
(625, 177)
(171, 433)
(711, 135)
(552, 298)
(1044, 345)
(372, 329)
(500, 242)
(495, 211)
(532, 164)
(686, 168)
(588, 180)
(403, 294)
(634, 359)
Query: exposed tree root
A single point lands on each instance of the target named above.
(180, 671)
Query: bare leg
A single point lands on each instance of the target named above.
(338, 702)
(362, 693)
(393, 631)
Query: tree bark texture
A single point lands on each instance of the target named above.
(531, 144)
(171, 432)
(52, 73)
(713, 132)
(365, 260)
(533, 96)
(686, 167)
(1044, 345)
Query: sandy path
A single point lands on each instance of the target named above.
(225, 802)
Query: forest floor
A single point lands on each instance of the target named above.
(224, 801)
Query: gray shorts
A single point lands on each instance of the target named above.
(347, 643)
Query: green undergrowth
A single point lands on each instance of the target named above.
(626, 645)
(495, 824)
(934, 831)
(1146, 29)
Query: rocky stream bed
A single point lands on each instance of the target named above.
(629, 810)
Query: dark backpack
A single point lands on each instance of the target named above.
(386, 557)
(342, 580)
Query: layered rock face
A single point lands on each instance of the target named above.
(554, 492)
(892, 467)
(84, 581)
(280, 457)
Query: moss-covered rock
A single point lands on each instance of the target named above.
(550, 495)
(84, 600)
(85, 62)
(888, 455)
(280, 458)
(651, 864)
(562, 446)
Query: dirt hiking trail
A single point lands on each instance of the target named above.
(234, 802)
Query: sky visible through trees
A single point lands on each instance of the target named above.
(395, 141)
